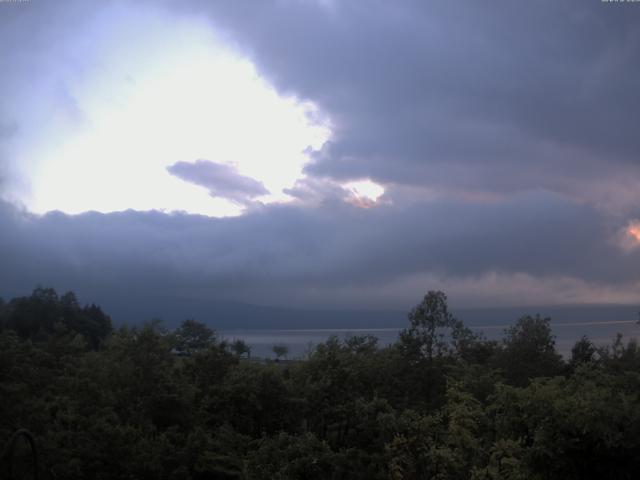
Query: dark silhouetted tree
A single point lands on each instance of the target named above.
(584, 351)
(529, 351)
(280, 351)
(192, 336)
(434, 331)
(240, 348)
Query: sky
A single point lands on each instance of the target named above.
(321, 154)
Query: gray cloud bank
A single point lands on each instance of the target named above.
(297, 255)
(219, 179)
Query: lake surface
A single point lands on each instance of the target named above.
(299, 342)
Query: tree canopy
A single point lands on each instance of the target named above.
(147, 402)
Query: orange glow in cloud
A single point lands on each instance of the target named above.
(628, 237)
(634, 231)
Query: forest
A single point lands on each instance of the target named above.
(442, 402)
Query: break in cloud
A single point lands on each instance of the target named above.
(504, 133)
(219, 179)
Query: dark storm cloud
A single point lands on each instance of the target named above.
(221, 180)
(276, 252)
(500, 96)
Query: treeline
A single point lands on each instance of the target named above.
(441, 403)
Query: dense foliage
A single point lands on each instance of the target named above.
(440, 403)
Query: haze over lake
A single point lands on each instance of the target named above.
(301, 341)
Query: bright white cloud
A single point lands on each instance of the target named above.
(152, 92)
(365, 190)
(362, 193)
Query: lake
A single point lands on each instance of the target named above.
(300, 341)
